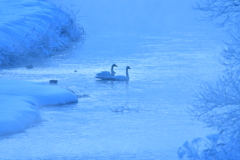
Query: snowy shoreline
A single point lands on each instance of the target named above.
(20, 102)
(31, 29)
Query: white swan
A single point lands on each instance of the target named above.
(122, 78)
(106, 75)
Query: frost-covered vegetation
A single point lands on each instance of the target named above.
(218, 105)
(30, 29)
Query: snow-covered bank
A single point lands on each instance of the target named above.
(34, 28)
(30, 29)
(20, 102)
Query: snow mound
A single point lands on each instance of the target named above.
(20, 102)
(34, 28)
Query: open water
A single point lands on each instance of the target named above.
(145, 118)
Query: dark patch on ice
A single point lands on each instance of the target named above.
(53, 81)
(124, 109)
(83, 95)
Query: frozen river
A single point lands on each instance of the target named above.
(146, 118)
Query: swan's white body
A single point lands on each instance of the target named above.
(121, 77)
(106, 75)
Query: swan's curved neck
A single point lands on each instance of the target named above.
(127, 73)
(112, 72)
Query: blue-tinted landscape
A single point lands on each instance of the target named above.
(174, 57)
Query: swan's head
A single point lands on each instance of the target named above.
(114, 65)
(128, 67)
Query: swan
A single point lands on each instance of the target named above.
(106, 75)
(121, 77)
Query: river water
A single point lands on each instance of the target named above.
(146, 118)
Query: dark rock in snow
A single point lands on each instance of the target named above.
(53, 81)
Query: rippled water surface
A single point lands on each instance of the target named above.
(146, 118)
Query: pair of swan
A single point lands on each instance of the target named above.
(106, 75)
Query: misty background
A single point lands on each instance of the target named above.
(136, 16)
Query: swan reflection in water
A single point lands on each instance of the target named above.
(112, 82)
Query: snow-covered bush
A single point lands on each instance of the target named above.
(219, 107)
(222, 146)
(34, 28)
